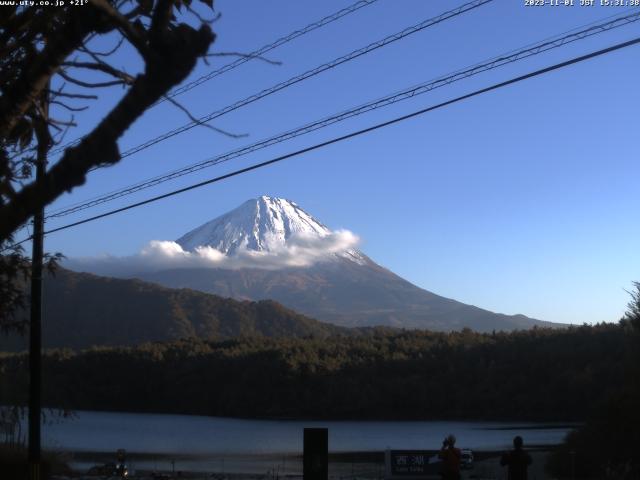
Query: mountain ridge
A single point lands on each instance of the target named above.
(270, 248)
(348, 289)
(81, 310)
(344, 296)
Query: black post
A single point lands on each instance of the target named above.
(315, 460)
(35, 326)
(35, 346)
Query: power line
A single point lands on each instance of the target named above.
(495, 62)
(310, 73)
(317, 146)
(267, 48)
(13, 245)
(252, 55)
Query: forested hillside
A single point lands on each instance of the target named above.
(541, 374)
(81, 310)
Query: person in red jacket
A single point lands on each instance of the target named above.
(517, 460)
(450, 457)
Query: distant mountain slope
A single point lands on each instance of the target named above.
(345, 288)
(347, 294)
(270, 248)
(80, 310)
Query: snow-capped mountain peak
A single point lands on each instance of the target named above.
(264, 224)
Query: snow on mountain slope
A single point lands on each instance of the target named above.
(265, 224)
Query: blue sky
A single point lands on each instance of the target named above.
(523, 200)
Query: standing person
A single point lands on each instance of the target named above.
(517, 460)
(450, 457)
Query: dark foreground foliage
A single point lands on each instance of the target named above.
(608, 445)
(541, 374)
(13, 463)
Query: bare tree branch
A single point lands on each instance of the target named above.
(61, 137)
(81, 83)
(108, 53)
(134, 36)
(102, 67)
(68, 107)
(18, 97)
(208, 21)
(176, 52)
(160, 20)
(203, 124)
(53, 122)
(73, 95)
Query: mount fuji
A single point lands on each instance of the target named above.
(272, 227)
(275, 250)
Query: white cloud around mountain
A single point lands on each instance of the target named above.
(299, 251)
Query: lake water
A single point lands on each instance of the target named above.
(203, 443)
(185, 434)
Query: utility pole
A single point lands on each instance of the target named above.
(35, 325)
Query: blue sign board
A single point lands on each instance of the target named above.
(409, 463)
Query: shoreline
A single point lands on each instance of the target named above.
(356, 456)
(361, 464)
(527, 424)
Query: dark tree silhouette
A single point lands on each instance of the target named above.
(44, 46)
(540, 374)
(607, 445)
(633, 307)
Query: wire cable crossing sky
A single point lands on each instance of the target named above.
(310, 73)
(251, 56)
(521, 78)
(272, 46)
(498, 61)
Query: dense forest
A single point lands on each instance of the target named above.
(587, 373)
(540, 374)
